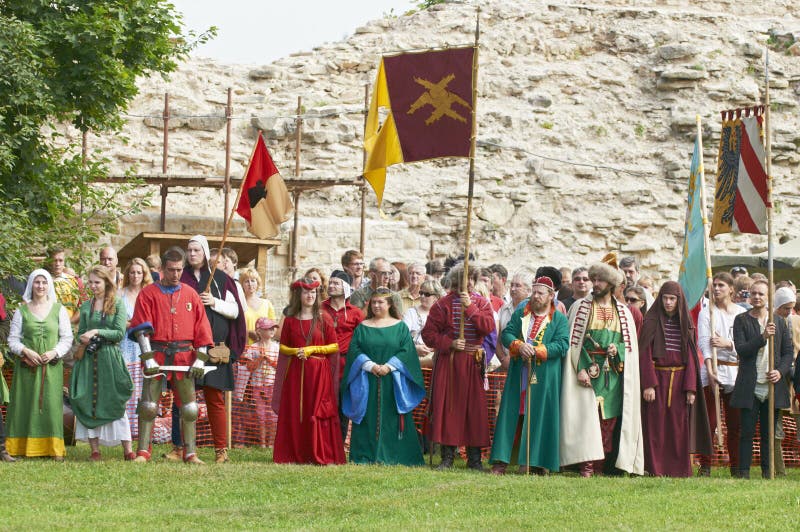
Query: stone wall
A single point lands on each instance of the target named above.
(586, 120)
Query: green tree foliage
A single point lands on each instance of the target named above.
(425, 4)
(70, 62)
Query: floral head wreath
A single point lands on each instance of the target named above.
(308, 284)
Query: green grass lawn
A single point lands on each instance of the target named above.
(253, 493)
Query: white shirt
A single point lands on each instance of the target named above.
(723, 326)
(503, 317)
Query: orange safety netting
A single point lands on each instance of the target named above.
(253, 423)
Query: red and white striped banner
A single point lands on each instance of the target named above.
(740, 199)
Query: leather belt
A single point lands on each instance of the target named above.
(170, 349)
(726, 363)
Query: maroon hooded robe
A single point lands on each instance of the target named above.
(672, 429)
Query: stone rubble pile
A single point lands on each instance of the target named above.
(586, 123)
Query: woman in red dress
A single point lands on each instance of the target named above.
(306, 382)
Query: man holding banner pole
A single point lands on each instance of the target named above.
(459, 405)
(715, 333)
(752, 331)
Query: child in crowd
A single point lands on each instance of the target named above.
(261, 359)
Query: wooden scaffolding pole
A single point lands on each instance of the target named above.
(296, 194)
(228, 120)
(164, 156)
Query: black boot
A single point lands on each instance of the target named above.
(448, 455)
(474, 459)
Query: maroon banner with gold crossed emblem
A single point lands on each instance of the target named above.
(431, 100)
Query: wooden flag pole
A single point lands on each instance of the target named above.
(465, 280)
(363, 226)
(770, 230)
(710, 283)
(230, 216)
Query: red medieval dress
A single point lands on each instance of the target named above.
(305, 397)
(459, 413)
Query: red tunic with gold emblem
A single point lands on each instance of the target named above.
(177, 316)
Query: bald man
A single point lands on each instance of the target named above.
(108, 258)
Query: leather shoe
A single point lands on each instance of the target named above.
(193, 459)
(221, 456)
(175, 455)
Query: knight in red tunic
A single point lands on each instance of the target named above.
(181, 336)
(305, 395)
(459, 411)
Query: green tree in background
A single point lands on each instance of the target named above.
(70, 62)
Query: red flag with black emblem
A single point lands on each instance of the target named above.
(263, 200)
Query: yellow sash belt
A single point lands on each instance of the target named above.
(672, 370)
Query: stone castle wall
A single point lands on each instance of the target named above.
(586, 121)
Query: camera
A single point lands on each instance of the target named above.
(94, 344)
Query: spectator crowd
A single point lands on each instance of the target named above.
(605, 372)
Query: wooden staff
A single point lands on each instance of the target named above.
(710, 283)
(770, 230)
(528, 419)
(228, 417)
(465, 279)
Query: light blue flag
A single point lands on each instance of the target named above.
(694, 269)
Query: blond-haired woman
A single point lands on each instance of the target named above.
(257, 306)
(137, 275)
(100, 385)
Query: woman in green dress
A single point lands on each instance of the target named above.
(101, 386)
(382, 384)
(40, 336)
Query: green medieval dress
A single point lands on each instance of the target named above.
(544, 400)
(35, 411)
(101, 385)
(384, 436)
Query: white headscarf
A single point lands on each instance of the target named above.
(348, 290)
(782, 296)
(51, 289)
(203, 241)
